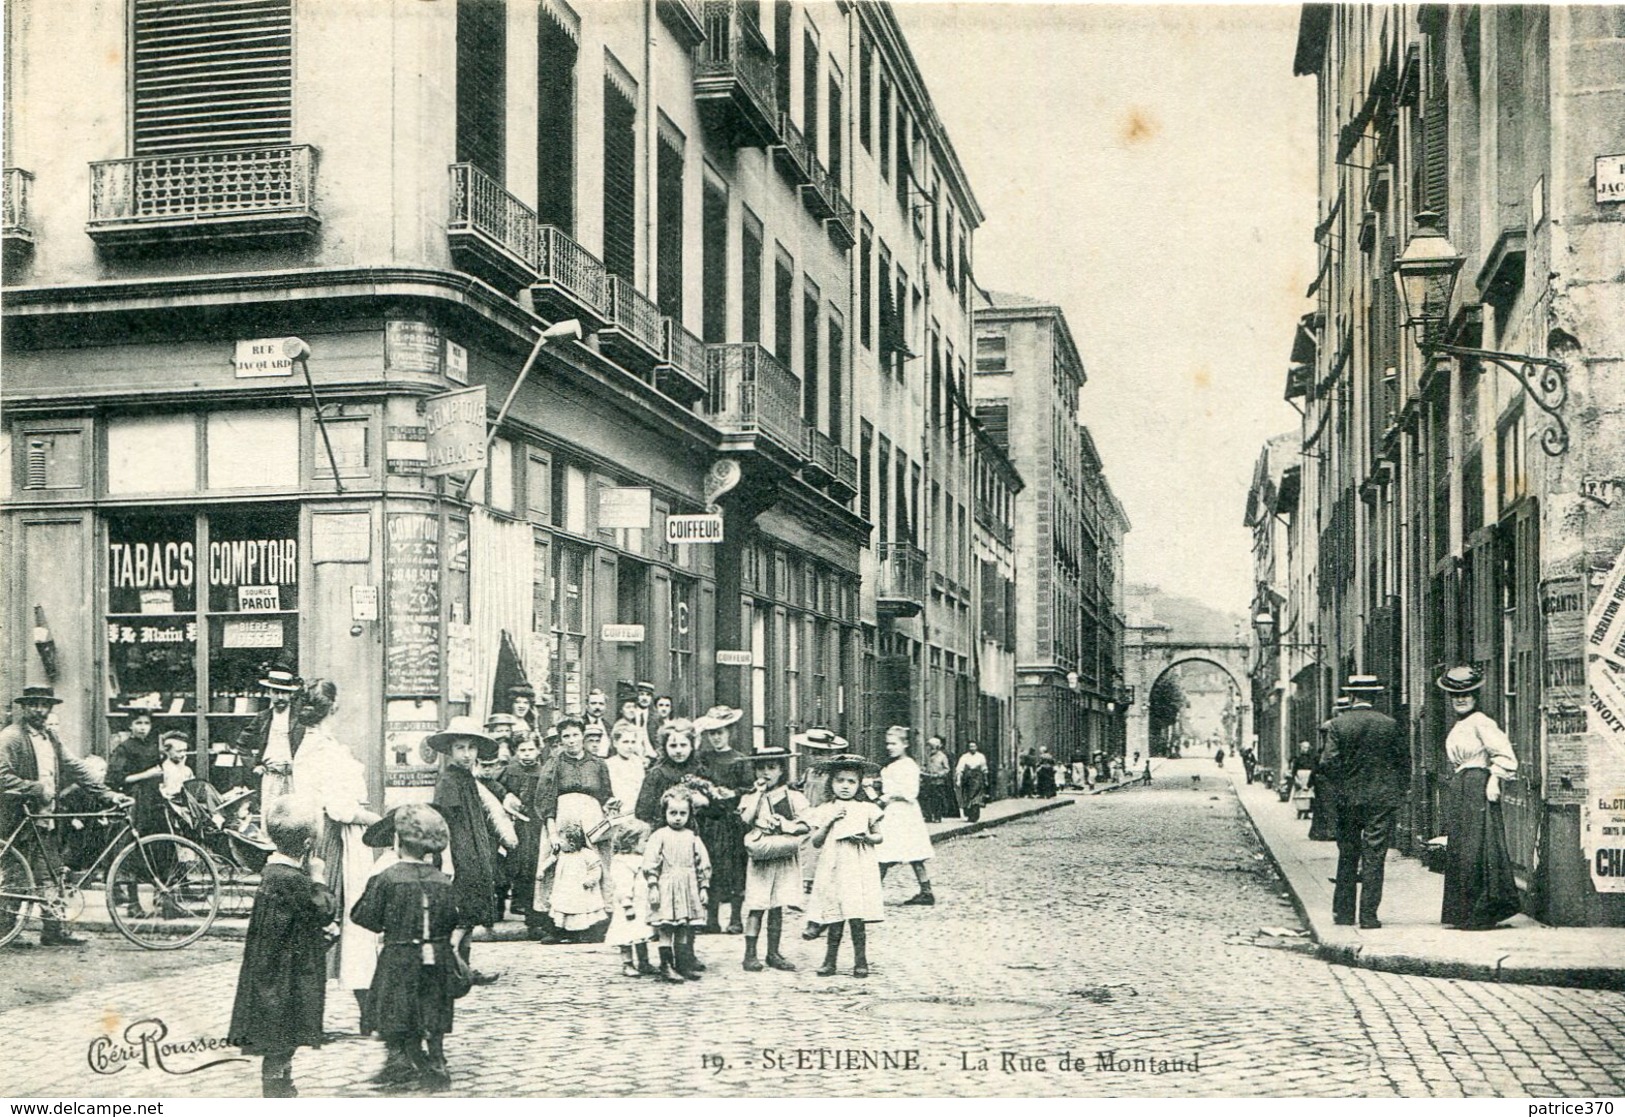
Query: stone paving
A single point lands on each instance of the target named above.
(1111, 948)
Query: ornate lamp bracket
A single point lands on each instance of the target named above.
(1545, 381)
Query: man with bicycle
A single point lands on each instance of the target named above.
(34, 770)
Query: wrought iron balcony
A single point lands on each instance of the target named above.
(570, 281)
(633, 332)
(845, 485)
(681, 371)
(819, 448)
(750, 393)
(16, 229)
(248, 194)
(684, 19)
(900, 590)
(492, 234)
(842, 225)
(733, 75)
(820, 193)
(791, 154)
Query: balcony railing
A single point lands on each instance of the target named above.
(266, 192)
(633, 332)
(684, 19)
(733, 75)
(820, 451)
(820, 192)
(842, 225)
(900, 590)
(492, 234)
(751, 393)
(681, 372)
(570, 281)
(14, 199)
(846, 473)
(791, 154)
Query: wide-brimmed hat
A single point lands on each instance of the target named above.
(717, 717)
(773, 755)
(281, 677)
(1363, 684)
(463, 726)
(819, 739)
(848, 762)
(38, 696)
(505, 721)
(147, 704)
(1461, 680)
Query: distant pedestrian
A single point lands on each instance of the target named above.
(282, 983)
(935, 797)
(1045, 775)
(970, 780)
(1218, 756)
(1249, 762)
(1479, 889)
(1367, 768)
(1029, 780)
(904, 837)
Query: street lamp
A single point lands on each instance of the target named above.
(1426, 274)
(1266, 629)
(567, 330)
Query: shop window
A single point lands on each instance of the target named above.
(570, 590)
(500, 468)
(256, 449)
(351, 440)
(757, 619)
(539, 487)
(541, 615)
(821, 708)
(152, 629)
(575, 500)
(792, 672)
(632, 607)
(151, 454)
(681, 644)
(53, 459)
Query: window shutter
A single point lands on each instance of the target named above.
(620, 182)
(212, 74)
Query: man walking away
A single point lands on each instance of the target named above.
(1366, 769)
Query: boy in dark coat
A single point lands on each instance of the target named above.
(282, 987)
(413, 906)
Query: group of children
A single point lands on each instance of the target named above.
(815, 851)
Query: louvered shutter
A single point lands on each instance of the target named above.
(620, 182)
(212, 74)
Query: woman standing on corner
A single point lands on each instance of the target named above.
(1479, 890)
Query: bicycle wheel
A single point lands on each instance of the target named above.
(163, 892)
(16, 893)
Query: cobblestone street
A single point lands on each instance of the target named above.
(1122, 928)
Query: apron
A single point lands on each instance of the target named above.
(577, 808)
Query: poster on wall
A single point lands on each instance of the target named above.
(412, 594)
(1603, 807)
(410, 767)
(1602, 836)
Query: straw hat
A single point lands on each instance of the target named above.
(717, 717)
(1461, 680)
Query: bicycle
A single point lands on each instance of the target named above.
(162, 890)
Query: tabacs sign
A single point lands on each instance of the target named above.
(455, 424)
(706, 527)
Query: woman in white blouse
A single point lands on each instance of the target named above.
(1479, 890)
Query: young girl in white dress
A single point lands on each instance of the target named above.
(773, 820)
(629, 900)
(903, 828)
(578, 897)
(846, 887)
(677, 870)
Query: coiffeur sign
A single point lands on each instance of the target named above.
(455, 422)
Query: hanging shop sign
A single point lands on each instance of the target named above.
(626, 507)
(703, 528)
(411, 347)
(623, 634)
(412, 593)
(261, 357)
(455, 427)
(734, 658)
(1610, 178)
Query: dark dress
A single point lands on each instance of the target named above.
(410, 999)
(282, 987)
(719, 824)
(1479, 889)
(662, 778)
(1046, 779)
(130, 756)
(473, 847)
(520, 781)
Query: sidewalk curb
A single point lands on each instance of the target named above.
(1363, 956)
(974, 827)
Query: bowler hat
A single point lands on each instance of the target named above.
(463, 726)
(38, 696)
(1461, 680)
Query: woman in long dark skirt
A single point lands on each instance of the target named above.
(1479, 890)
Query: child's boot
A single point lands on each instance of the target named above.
(712, 927)
(399, 1067)
(437, 1076)
(752, 963)
(687, 965)
(832, 935)
(644, 968)
(276, 1077)
(775, 929)
(735, 927)
(668, 969)
(629, 968)
(860, 949)
(924, 897)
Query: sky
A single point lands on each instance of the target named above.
(1151, 170)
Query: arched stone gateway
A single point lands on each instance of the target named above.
(1150, 653)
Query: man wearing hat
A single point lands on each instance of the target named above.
(274, 736)
(34, 769)
(473, 844)
(1366, 770)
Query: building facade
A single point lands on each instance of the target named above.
(993, 539)
(1276, 655)
(1070, 692)
(190, 495)
(1453, 510)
